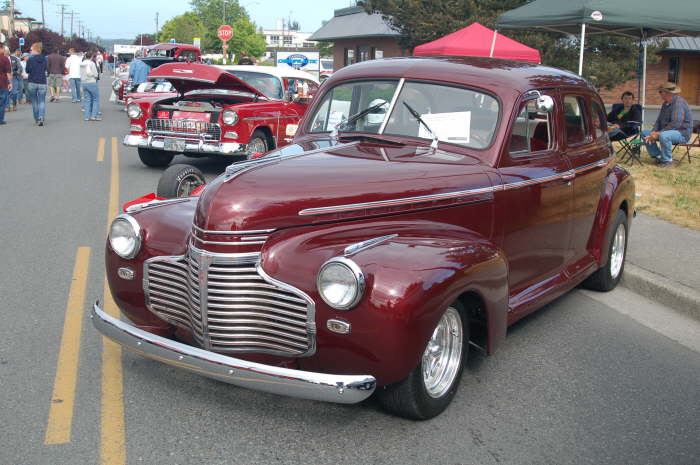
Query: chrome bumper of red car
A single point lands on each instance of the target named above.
(214, 148)
(344, 389)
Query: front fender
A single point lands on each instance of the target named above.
(410, 279)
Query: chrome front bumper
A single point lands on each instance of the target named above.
(344, 389)
(158, 143)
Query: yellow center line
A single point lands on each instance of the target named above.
(101, 149)
(112, 431)
(60, 423)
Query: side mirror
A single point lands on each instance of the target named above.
(545, 103)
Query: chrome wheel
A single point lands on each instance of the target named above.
(257, 145)
(617, 252)
(188, 184)
(443, 355)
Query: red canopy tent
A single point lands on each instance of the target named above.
(476, 40)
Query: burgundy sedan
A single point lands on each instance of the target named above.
(424, 206)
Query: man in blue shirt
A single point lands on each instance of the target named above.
(138, 72)
(673, 126)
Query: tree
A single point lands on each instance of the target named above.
(214, 13)
(609, 60)
(325, 49)
(145, 39)
(183, 28)
(246, 39)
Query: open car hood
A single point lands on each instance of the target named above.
(186, 77)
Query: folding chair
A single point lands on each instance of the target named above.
(694, 141)
(631, 149)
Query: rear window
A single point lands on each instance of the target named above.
(268, 84)
(575, 119)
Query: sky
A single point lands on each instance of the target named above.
(119, 19)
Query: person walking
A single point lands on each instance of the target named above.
(5, 81)
(73, 64)
(37, 69)
(674, 125)
(18, 77)
(91, 93)
(56, 67)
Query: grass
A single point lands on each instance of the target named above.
(672, 194)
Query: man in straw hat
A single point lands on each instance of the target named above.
(673, 126)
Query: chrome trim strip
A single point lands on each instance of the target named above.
(232, 233)
(360, 246)
(202, 241)
(203, 274)
(155, 203)
(403, 201)
(590, 166)
(392, 105)
(347, 389)
(566, 175)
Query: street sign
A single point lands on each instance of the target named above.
(21, 41)
(225, 32)
(197, 42)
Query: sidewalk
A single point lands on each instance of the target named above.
(663, 263)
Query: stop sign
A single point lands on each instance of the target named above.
(225, 32)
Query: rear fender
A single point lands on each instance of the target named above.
(411, 277)
(617, 192)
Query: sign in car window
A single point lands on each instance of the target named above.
(304, 61)
(449, 127)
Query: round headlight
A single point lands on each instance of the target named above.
(230, 117)
(133, 110)
(125, 236)
(116, 85)
(340, 283)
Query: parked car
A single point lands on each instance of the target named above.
(157, 55)
(219, 110)
(326, 69)
(424, 206)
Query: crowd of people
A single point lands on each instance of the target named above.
(29, 77)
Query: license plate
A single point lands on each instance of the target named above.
(174, 145)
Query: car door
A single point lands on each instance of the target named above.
(537, 194)
(587, 150)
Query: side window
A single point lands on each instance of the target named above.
(532, 131)
(599, 120)
(575, 119)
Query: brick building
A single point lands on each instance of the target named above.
(680, 63)
(358, 36)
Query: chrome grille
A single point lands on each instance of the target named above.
(184, 128)
(229, 304)
(210, 237)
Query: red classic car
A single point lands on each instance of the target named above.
(424, 206)
(219, 110)
(157, 55)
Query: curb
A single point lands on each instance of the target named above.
(661, 289)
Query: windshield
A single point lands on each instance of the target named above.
(160, 53)
(268, 84)
(456, 115)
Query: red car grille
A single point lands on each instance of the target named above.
(229, 305)
(184, 128)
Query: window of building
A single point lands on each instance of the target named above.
(287, 40)
(674, 69)
(364, 53)
(309, 44)
(274, 39)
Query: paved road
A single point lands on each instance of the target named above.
(592, 378)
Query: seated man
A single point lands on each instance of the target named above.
(623, 116)
(673, 126)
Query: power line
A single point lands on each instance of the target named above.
(62, 13)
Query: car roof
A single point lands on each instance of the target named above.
(170, 46)
(279, 72)
(488, 73)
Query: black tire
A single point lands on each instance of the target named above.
(410, 398)
(258, 143)
(179, 181)
(155, 158)
(607, 277)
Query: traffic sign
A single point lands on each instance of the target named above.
(225, 32)
(21, 41)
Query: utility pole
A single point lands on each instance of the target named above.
(11, 24)
(43, 20)
(62, 13)
(155, 36)
(72, 14)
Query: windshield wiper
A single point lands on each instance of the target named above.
(355, 117)
(379, 140)
(434, 143)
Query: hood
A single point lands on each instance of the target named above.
(270, 192)
(186, 77)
